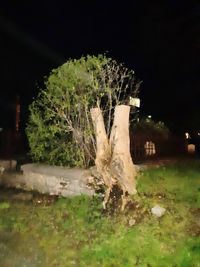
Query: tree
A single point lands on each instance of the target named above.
(70, 121)
(150, 129)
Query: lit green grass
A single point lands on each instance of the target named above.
(75, 232)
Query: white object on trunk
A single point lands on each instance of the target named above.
(135, 102)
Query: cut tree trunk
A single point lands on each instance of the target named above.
(103, 152)
(113, 158)
(121, 166)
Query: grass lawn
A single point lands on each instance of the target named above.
(76, 232)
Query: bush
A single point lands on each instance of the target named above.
(60, 129)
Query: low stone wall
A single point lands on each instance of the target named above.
(52, 180)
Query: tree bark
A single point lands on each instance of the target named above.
(113, 158)
(122, 165)
(103, 152)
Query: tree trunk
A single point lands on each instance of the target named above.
(113, 158)
(122, 165)
(103, 152)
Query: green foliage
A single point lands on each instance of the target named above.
(60, 129)
(4, 205)
(149, 129)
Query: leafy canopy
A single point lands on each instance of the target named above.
(59, 128)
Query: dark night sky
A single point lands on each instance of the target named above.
(159, 40)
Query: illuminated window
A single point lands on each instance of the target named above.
(191, 148)
(150, 148)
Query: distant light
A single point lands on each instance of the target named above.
(1, 129)
(149, 116)
(198, 134)
(150, 148)
(187, 136)
(191, 148)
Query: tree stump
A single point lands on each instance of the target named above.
(113, 158)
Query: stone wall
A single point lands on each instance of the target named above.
(52, 180)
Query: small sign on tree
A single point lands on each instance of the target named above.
(135, 102)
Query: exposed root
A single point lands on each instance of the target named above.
(125, 200)
(106, 197)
